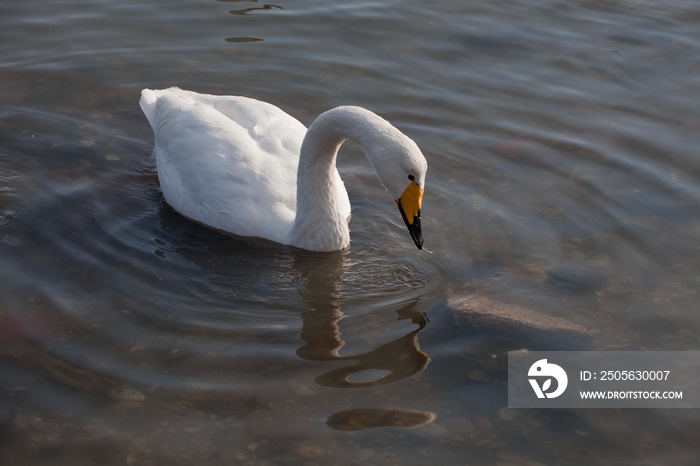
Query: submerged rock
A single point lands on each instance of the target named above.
(512, 322)
(575, 281)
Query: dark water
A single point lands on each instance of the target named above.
(564, 177)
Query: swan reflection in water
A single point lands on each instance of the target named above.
(402, 358)
(322, 279)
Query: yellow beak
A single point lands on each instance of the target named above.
(410, 204)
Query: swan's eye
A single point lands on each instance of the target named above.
(410, 177)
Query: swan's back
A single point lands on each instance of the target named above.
(227, 162)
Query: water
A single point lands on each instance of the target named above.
(562, 141)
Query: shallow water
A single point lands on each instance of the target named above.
(562, 141)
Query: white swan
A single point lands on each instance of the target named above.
(246, 167)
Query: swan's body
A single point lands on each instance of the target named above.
(246, 167)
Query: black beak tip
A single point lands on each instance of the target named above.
(419, 242)
(413, 228)
(415, 232)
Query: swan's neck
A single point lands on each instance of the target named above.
(321, 222)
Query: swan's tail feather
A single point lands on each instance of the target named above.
(148, 105)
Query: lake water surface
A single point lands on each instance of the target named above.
(564, 178)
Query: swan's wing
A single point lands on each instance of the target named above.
(263, 120)
(228, 162)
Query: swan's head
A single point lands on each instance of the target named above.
(401, 167)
